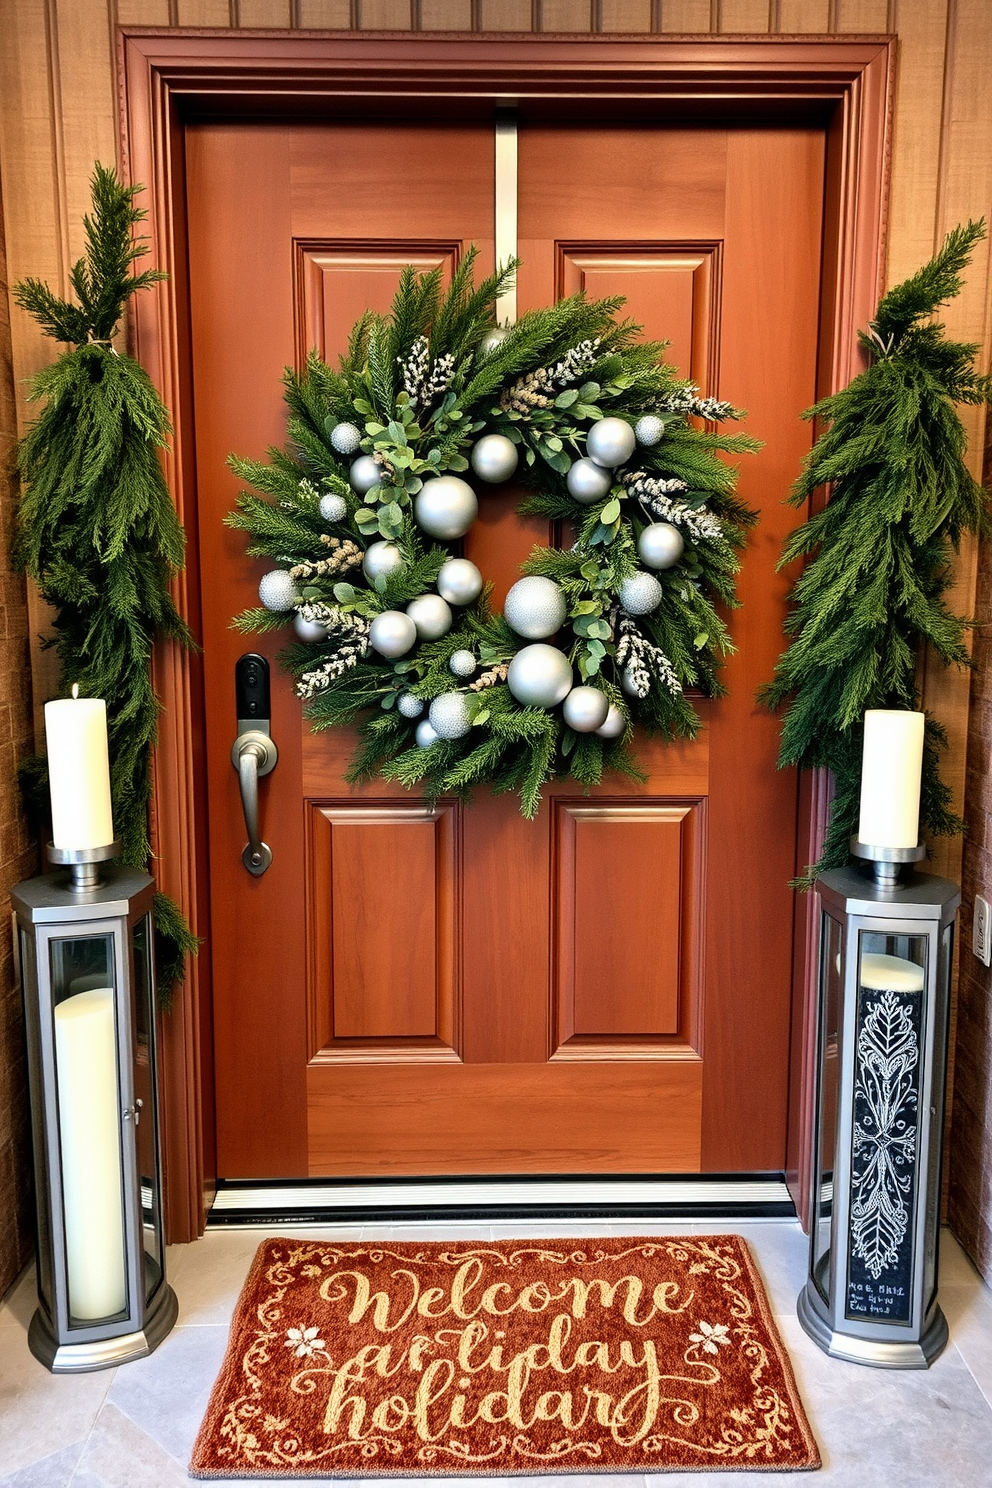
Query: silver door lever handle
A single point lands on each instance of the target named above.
(254, 754)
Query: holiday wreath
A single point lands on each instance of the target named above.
(393, 628)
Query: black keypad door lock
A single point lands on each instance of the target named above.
(254, 753)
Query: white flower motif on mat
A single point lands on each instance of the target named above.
(711, 1337)
(304, 1342)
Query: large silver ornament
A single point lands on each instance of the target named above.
(640, 593)
(446, 507)
(587, 481)
(540, 676)
(333, 508)
(382, 559)
(410, 706)
(610, 442)
(661, 545)
(492, 339)
(277, 590)
(425, 735)
(309, 630)
(535, 607)
(365, 475)
(613, 725)
(459, 581)
(462, 663)
(494, 458)
(431, 615)
(392, 633)
(450, 717)
(345, 438)
(586, 709)
(649, 430)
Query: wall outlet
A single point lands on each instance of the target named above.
(981, 935)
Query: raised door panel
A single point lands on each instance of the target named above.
(336, 283)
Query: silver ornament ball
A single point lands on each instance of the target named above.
(492, 339)
(586, 709)
(449, 716)
(446, 507)
(613, 725)
(410, 706)
(382, 559)
(628, 686)
(333, 508)
(459, 581)
(540, 676)
(425, 735)
(588, 482)
(365, 475)
(649, 430)
(462, 663)
(610, 442)
(277, 590)
(661, 545)
(534, 607)
(431, 615)
(345, 438)
(640, 594)
(494, 458)
(309, 630)
(392, 633)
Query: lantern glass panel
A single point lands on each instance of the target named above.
(29, 981)
(832, 975)
(145, 1102)
(83, 984)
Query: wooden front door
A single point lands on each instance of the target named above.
(605, 989)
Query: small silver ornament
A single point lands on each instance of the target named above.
(392, 633)
(661, 545)
(610, 442)
(410, 706)
(534, 607)
(540, 676)
(425, 735)
(365, 475)
(586, 709)
(462, 663)
(649, 430)
(446, 507)
(628, 686)
(309, 630)
(494, 458)
(613, 725)
(277, 590)
(459, 581)
(450, 717)
(492, 339)
(333, 508)
(431, 615)
(345, 438)
(382, 559)
(587, 481)
(640, 594)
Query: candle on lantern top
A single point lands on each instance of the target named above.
(79, 772)
(891, 768)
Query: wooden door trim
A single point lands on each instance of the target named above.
(167, 76)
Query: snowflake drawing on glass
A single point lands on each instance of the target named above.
(885, 1102)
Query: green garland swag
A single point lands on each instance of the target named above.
(872, 594)
(97, 530)
(415, 393)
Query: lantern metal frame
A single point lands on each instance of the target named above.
(70, 907)
(913, 1331)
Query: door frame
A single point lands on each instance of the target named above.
(166, 77)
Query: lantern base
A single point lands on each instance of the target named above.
(104, 1353)
(879, 1353)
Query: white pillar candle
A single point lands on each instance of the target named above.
(891, 767)
(90, 1143)
(79, 772)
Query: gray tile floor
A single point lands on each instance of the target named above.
(133, 1427)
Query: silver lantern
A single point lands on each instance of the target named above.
(85, 953)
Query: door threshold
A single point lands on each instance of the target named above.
(683, 1196)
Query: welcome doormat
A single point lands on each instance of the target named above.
(506, 1358)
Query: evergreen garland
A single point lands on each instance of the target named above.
(97, 530)
(873, 592)
(418, 387)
